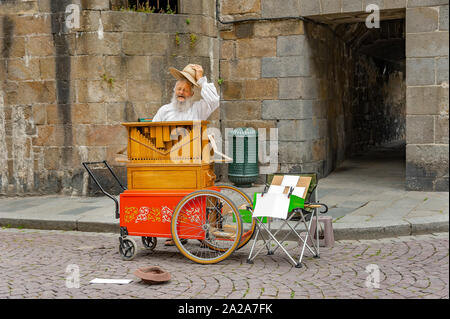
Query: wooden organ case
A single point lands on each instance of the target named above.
(169, 155)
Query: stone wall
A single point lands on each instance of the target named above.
(427, 95)
(299, 78)
(64, 92)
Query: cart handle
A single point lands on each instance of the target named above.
(86, 166)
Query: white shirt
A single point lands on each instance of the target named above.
(200, 110)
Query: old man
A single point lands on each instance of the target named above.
(182, 107)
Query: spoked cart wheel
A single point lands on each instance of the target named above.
(242, 201)
(211, 223)
(149, 242)
(127, 248)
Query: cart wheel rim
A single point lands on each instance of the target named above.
(212, 224)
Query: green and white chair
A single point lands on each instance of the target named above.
(287, 198)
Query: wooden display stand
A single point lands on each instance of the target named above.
(169, 155)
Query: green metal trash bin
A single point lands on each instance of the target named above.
(244, 169)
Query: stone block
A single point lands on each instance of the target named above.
(247, 48)
(95, 4)
(423, 19)
(425, 166)
(138, 67)
(420, 71)
(145, 43)
(330, 6)
(244, 30)
(57, 114)
(394, 4)
(309, 7)
(379, 3)
(441, 130)
(240, 69)
(49, 135)
(100, 135)
(52, 158)
(425, 100)
(87, 67)
(158, 68)
(115, 113)
(441, 70)
(20, 71)
(90, 21)
(240, 7)
(299, 88)
(191, 7)
(352, 6)
(116, 67)
(12, 47)
(261, 89)
(36, 92)
(419, 129)
(45, 6)
(286, 66)
(117, 21)
(274, 9)
(297, 130)
(427, 44)
(144, 91)
(32, 24)
(92, 91)
(241, 110)
(39, 114)
(443, 18)
(89, 113)
(40, 46)
(426, 3)
(293, 45)
(65, 44)
(93, 44)
(287, 109)
(319, 149)
(232, 90)
(278, 28)
(294, 152)
(228, 34)
(227, 50)
(47, 68)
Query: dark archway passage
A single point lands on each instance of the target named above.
(375, 114)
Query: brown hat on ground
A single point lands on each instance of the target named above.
(188, 73)
(152, 275)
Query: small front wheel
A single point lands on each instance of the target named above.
(211, 223)
(127, 248)
(149, 242)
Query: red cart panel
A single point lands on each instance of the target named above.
(149, 213)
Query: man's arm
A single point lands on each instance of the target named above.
(210, 99)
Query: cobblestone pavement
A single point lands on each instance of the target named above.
(33, 264)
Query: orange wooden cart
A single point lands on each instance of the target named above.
(171, 194)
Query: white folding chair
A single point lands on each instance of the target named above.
(284, 199)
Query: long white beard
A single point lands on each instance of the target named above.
(182, 106)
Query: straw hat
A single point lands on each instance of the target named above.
(188, 73)
(152, 275)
